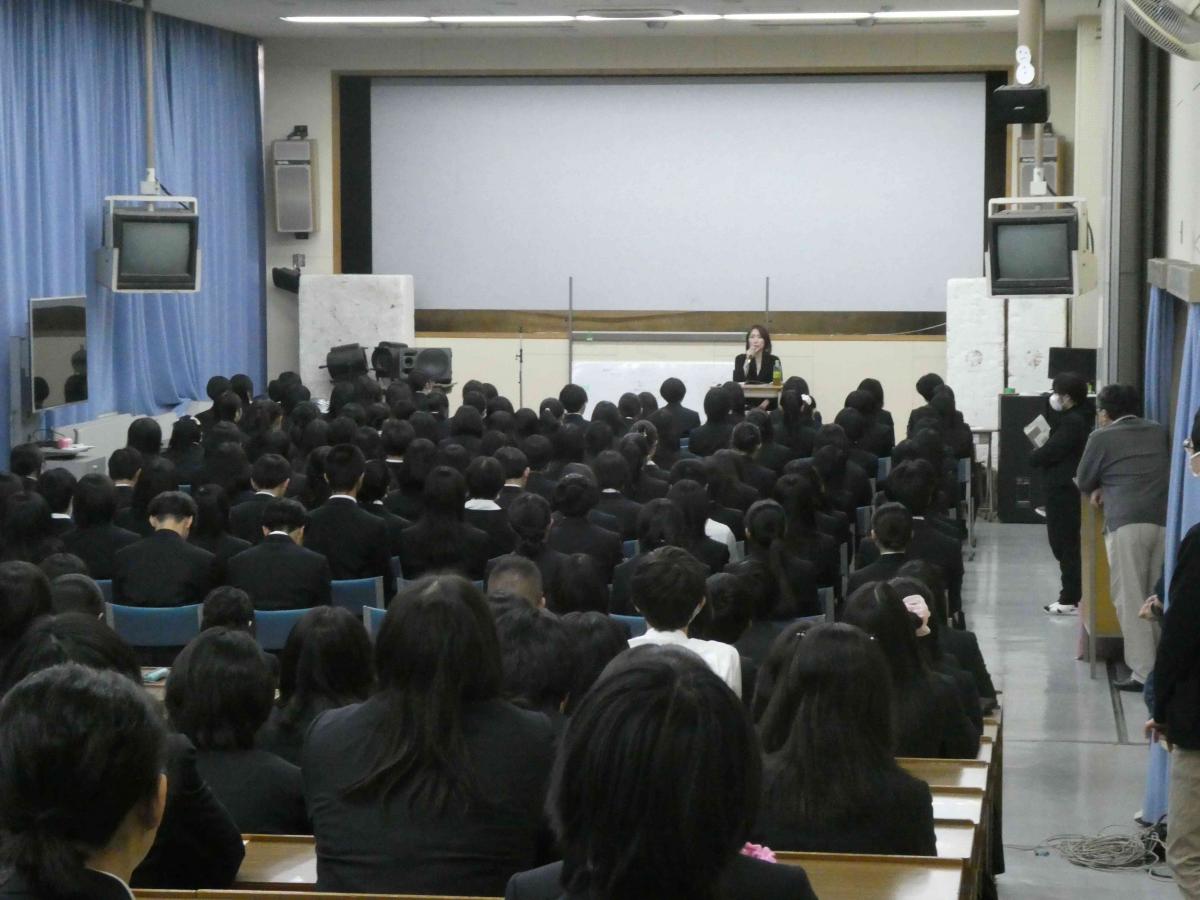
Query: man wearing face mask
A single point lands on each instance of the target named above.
(1176, 720)
(1125, 468)
(1071, 420)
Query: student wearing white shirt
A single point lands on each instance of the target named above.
(668, 589)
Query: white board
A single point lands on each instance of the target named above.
(975, 350)
(609, 379)
(348, 309)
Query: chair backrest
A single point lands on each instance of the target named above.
(635, 624)
(373, 618)
(397, 571)
(862, 521)
(884, 467)
(964, 470)
(826, 599)
(105, 585)
(186, 488)
(629, 548)
(272, 626)
(154, 626)
(355, 593)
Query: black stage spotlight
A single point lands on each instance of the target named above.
(388, 360)
(286, 279)
(346, 362)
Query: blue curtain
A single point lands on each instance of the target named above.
(1183, 511)
(1160, 347)
(71, 126)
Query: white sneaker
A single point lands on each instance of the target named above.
(1061, 609)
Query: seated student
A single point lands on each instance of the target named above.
(28, 530)
(406, 500)
(830, 781)
(930, 720)
(646, 480)
(281, 573)
(796, 421)
(714, 434)
(574, 400)
(620, 840)
(726, 480)
(217, 386)
(396, 435)
(878, 437)
(770, 454)
(540, 452)
(197, 845)
(228, 607)
(325, 664)
(926, 385)
(82, 790)
(785, 584)
(612, 476)
(595, 641)
(531, 520)
(184, 450)
(156, 476)
(659, 523)
(693, 503)
(56, 487)
(164, 569)
(485, 478)
(891, 530)
(354, 541)
(746, 440)
(854, 425)
(799, 499)
(210, 530)
(219, 694)
(574, 498)
(440, 539)
(77, 594)
(668, 590)
(145, 436)
(26, 461)
(62, 564)
(434, 785)
(270, 476)
(879, 414)
(960, 645)
(515, 465)
(578, 586)
(514, 579)
(673, 391)
(847, 485)
(24, 597)
(95, 539)
(371, 491)
(535, 661)
(725, 617)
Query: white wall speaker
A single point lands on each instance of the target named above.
(295, 186)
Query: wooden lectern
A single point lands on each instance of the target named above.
(762, 391)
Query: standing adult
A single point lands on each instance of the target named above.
(1125, 468)
(1059, 459)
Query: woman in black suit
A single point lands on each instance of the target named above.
(620, 839)
(756, 365)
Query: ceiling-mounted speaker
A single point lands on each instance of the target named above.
(1017, 104)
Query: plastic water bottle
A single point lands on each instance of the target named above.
(777, 375)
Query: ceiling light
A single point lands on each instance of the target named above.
(501, 20)
(668, 17)
(356, 20)
(946, 14)
(797, 17)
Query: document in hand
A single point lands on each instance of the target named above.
(1038, 431)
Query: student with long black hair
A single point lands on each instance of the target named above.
(930, 721)
(785, 582)
(530, 517)
(799, 499)
(434, 785)
(692, 500)
(831, 783)
(575, 496)
(441, 540)
(156, 476)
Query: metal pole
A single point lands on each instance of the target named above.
(768, 303)
(1030, 29)
(520, 366)
(570, 326)
(148, 46)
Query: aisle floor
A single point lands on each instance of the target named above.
(1074, 759)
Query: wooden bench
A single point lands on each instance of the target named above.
(853, 876)
(954, 773)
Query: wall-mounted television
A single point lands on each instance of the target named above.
(1034, 248)
(151, 245)
(57, 351)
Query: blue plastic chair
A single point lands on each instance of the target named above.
(185, 488)
(372, 619)
(884, 467)
(826, 598)
(105, 588)
(272, 626)
(154, 626)
(630, 549)
(635, 624)
(355, 593)
(862, 521)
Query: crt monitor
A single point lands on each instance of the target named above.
(156, 249)
(1033, 251)
(57, 351)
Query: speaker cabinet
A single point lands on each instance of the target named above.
(1017, 105)
(295, 186)
(1019, 489)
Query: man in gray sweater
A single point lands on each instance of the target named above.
(1125, 468)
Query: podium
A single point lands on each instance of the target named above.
(1098, 616)
(762, 391)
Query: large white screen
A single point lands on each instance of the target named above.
(856, 193)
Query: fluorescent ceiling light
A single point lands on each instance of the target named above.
(798, 17)
(501, 20)
(946, 14)
(673, 17)
(357, 20)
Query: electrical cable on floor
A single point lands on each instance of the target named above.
(1109, 851)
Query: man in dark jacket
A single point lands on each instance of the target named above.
(1071, 422)
(163, 569)
(279, 573)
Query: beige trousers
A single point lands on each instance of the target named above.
(1183, 821)
(1135, 563)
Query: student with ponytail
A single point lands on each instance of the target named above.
(787, 582)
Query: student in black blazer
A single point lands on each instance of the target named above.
(516, 472)
(659, 523)
(714, 434)
(652, 697)
(891, 529)
(154, 477)
(95, 539)
(612, 477)
(441, 540)
(434, 785)
(270, 476)
(219, 694)
(354, 541)
(831, 783)
(575, 496)
(531, 518)
(210, 531)
(124, 465)
(746, 440)
(164, 569)
(485, 478)
(370, 497)
(673, 391)
(280, 573)
(574, 401)
(785, 583)
(756, 365)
